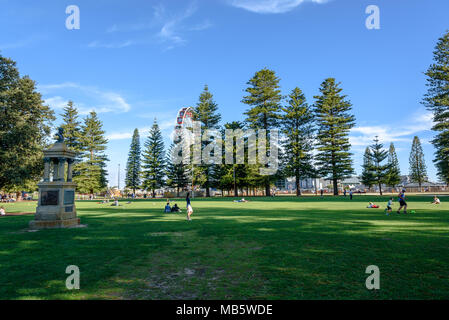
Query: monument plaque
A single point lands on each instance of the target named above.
(49, 198)
(69, 197)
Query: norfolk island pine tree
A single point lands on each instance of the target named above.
(133, 173)
(264, 97)
(437, 101)
(298, 128)
(153, 160)
(206, 112)
(334, 121)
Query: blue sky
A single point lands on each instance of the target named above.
(133, 60)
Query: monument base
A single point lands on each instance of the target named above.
(50, 224)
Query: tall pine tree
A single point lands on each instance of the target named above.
(92, 170)
(72, 127)
(394, 172)
(177, 173)
(418, 168)
(153, 160)
(132, 178)
(437, 101)
(367, 177)
(206, 112)
(72, 133)
(297, 127)
(264, 98)
(24, 127)
(379, 169)
(334, 121)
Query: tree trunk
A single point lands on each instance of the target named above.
(380, 188)
(335, 183)
(236, 191)
(267, 189)
(298, 186)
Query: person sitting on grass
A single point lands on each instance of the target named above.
(2, 211)
(388, 209)
(167, 208)
(175, 208)
(372, 205)
(436, 200)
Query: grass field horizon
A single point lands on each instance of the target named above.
(268, 248)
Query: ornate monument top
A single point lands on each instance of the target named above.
(60, 135)
(59, 149)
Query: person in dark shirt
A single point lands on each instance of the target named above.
(402, 202)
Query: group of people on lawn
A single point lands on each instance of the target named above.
(402, 203)
(175, 208)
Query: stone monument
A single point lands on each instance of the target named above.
(56, 205)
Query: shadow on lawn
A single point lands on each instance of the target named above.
(293, 254)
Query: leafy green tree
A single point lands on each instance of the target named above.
(153, 160)
(367, 177)
(264, 98)
(297, 127)
(133, 173)
(177, 173)
(206, 112)
(394, 172)
(418, 168)
(25, 124)
(334, 121)
(92, 175)
(437, 101)
(380, 169)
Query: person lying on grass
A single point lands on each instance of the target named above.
(242, 200)
(372, 205)
(436, 200)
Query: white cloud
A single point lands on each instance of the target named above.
(166, 28)
(85, 98)
(166, 122)
(270, 6)
(112, 45)
(170, 31)
(418, 122)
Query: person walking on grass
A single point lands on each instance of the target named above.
(189, 207)
(350, 194)
(402, 203)
(388, 209)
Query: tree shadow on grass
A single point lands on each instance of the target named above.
(229, 253)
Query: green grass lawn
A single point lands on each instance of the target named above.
(269, 248)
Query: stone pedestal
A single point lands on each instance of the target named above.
(56, 206)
